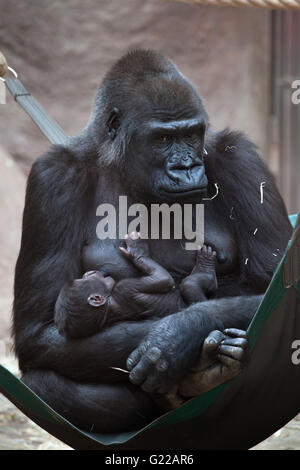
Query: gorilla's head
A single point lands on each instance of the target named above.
(149, 122)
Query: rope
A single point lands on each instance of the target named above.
(283, 4)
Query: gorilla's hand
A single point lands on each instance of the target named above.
(168, 351)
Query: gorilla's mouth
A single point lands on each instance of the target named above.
(187, 190)
(196, 186)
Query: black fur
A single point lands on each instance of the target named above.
(76, 376)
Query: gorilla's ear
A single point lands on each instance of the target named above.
(113, 123)
(96, 300)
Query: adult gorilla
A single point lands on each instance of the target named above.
(146, 140)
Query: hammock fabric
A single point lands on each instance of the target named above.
(235, 415)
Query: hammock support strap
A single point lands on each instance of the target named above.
(40, 117)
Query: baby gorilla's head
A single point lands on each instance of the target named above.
(94, 289)
(82, 306)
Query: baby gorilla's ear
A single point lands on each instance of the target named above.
(96, 300)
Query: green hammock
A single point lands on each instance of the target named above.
(238, 414)
(235, 415)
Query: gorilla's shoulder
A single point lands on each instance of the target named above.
(232, 142)
(58, 173)
(233, 150)
(58, 165)
(57, 156)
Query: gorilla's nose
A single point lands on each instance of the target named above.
(183, 163)
(185, 169)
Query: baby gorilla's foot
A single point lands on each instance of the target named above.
(135, 247)
(222, 357)
(201, 284)
(205, 261)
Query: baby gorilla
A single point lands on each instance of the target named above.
(94, 301)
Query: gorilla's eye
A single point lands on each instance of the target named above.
(191, 135)
(165, 138)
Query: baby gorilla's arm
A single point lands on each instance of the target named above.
(155, 278)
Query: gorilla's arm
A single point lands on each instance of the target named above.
(59, 191)
(84, 359)
(174, 343)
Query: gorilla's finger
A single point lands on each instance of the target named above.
(153, 354)
(134, 236)
(139, 373)
(133, 358)
(141, 370)
(124, 252)
(162, 365)
(136, 355)
(235, 353)
(240, 342)
(234, 332)
(212, 340)
(150, 385)
(229, 362)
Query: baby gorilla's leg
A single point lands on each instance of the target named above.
(205, 261)
(202, 282)
(222, 357)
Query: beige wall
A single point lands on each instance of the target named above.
(61, 49)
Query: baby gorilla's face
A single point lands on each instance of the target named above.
(96, 288)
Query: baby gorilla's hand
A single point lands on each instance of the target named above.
(135, 246)
(222, 357)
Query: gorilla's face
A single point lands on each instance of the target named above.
(166, 159)
(158, 126)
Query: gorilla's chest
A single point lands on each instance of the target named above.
(104, 255)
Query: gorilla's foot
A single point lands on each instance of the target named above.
(223, 356)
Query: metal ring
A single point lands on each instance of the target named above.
(12, 71)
